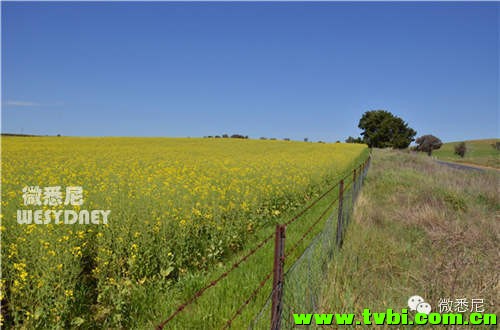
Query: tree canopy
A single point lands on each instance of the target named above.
(427, 143)
(351, 139)
(381, 129)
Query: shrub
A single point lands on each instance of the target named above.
(460, 149)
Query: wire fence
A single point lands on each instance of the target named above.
(293, 282)
(304, 280)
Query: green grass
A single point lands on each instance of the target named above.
(220, 303)
(480, 152)
(419, 228)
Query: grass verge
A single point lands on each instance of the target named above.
(419, 228)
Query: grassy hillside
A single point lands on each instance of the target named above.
(419, 228)
(480, 152)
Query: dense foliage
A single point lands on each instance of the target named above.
(461, 149)
(428, 143)
(381, 129)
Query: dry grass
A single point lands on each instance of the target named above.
(419, 228)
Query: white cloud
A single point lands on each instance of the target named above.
(11, 103)
(21, 104)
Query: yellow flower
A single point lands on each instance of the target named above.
(63, 239)
(76, 251)
(207, 187)
(16, 285)
(19, 266)
(23, 275)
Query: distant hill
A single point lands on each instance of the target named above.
(480, 152)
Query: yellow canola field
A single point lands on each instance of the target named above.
(175, 206)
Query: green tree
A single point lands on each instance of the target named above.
(381, 129)
(427, 143)
(351, 139)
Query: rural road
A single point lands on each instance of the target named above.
(460, 166)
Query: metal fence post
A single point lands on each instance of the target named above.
(354, 186)
(339, 219)
(279, 261)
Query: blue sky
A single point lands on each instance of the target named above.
(281, 69)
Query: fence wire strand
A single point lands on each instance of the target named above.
(304, 278)
(301, 286)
